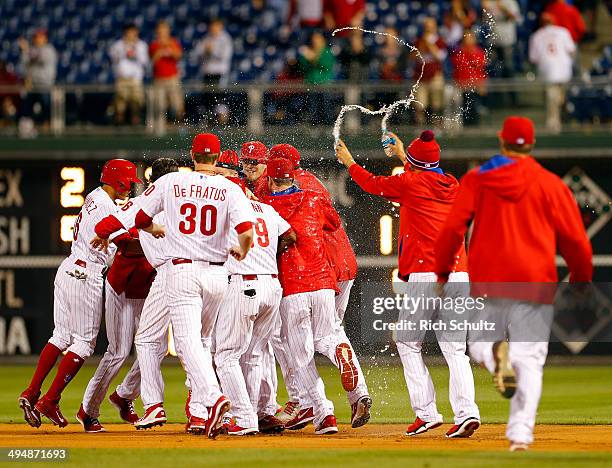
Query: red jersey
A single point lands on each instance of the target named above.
(343, 12)
(164, 67)
(568, 17)
(425, 199)
(303, 267)
(432, 65)
(522, 214)
(337, 244)
(469, 67)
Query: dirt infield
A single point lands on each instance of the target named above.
(558, 438)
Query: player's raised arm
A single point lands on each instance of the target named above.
(241, 218)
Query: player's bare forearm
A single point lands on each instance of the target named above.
(286, 241)
(156, 230)
(100, 244)
(245, 240)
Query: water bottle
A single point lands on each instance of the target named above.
(387, 140)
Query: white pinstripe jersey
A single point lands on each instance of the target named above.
(97, 206)
(153, 248)
(261, 259)
(200, 213)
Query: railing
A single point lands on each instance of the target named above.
(88, 108)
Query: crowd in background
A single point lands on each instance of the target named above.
(463, 48)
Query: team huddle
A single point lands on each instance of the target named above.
(248, 262)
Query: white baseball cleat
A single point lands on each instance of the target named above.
(154, 416)
(518, 447)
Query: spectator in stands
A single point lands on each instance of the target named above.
(216, 51)
(165, 52)
(39, 64)
(306, 14)
(552, 50)
(430, 92)
(506, 14)
(9, 100)
(130, 59)
(317, 62)
(343, 13)
(287, 105)
(460, 17)
(567, 16)
(394, 58)
(355, 59)
(470, 75)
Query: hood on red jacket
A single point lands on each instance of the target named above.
(442, 185)
(287, 204)
(507, 177)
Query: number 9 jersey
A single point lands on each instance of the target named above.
(261, 260)
(200, 213)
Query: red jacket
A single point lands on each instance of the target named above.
(425, 199)
(131, 274)
(469, 67)
(568, 17)
(522, 214)
(337, 244)
(303, 267)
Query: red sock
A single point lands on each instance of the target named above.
(68, 368)
(46, 361)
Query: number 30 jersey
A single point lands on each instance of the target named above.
(261, 260)
(201, 211)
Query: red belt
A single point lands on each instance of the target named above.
(81, 263)
(254, 277)
(180, 261)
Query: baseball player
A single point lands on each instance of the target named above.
(78, 293)
(425, 194)
(127, 285)
(247, 319)
(308, 315)
(342, 258)
(201, 208)
(253, 156)
(523, 213)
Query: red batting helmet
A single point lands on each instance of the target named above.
(229, 160)
(286, 151)
(254, 150)
(119, 174)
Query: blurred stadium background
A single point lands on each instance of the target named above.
(63, 86)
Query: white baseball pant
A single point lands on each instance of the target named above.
(309, 324)
(245, 323)
(195, 292)
(121, 316)
(420, 386)
(269, 382)
(77, 306)
(527, 357)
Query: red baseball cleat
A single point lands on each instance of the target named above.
(419, 426)
(214, 423)
(270, 425)
(27, 400)
(304, 417)
(154, 416)
(236, 430)
(348, 371)
(52, 411)
(463, 430)
(90, 425)
(196, 425)
(289, 411)
(360, 411)
(327, 426)
(125, 407)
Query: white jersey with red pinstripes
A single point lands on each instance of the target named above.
(153, 248)
(96, 207)
(261, 259)
(200, 212)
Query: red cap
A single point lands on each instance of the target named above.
(254, 150)
(518, 131)
(205, 143)
(229, 160)
(424, 151)
(286, 151)
(280, 168)
(119, 174)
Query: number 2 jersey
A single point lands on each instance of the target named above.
(200, 213)
(96, 207)
(261, 259)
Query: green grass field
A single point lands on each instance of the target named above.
(572, 395)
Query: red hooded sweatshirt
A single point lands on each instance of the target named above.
(425, 199)
(522, 214)
(303, 267)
